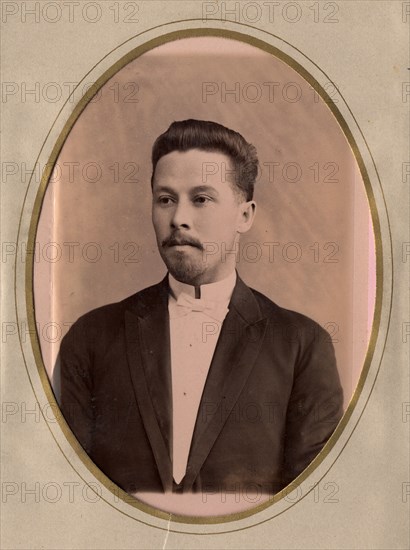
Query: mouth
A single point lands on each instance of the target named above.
(174, 242)
(184, 248)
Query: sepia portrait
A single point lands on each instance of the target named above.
(209, 261)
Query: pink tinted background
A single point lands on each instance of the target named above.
(167, 83)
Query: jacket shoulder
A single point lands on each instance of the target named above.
(113, 313)
(288, 319)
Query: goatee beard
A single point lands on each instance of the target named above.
(185, 271)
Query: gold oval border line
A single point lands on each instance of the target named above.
(133, 54)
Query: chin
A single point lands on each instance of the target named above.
(186, 274)
(184, 270)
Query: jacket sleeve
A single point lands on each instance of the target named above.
(76, 385)
(315, 406)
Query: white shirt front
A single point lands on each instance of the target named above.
(193, 335)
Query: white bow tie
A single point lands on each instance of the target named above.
(186, 303)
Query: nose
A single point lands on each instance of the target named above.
(181, 216)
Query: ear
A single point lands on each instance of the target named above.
(246, 215)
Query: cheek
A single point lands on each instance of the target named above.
(159, 218)
(219, 227)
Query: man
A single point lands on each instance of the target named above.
(200, 383)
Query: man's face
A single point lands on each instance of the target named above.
(197, 216)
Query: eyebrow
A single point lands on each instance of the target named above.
(197, 189)
(163, 188)
(204, 189)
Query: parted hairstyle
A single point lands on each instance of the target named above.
(189, 134)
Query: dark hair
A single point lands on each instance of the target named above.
(189, 134)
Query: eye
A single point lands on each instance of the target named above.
(165, 200)
(202, 199)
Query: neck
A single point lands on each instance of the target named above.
(210, 291)
(204, 278)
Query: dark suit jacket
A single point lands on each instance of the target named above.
(271, 400)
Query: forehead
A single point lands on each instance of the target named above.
(195, 166)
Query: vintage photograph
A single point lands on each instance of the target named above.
(207, 255)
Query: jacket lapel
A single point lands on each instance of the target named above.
(238, 346)
(148, 351)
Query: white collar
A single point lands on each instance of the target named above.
(220, 291)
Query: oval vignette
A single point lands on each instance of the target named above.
(311, 248)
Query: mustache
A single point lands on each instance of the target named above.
(175, 240)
